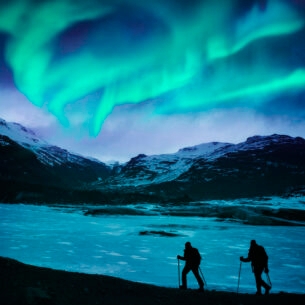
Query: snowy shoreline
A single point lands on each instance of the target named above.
(274, 211)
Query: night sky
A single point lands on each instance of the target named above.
(115, 78)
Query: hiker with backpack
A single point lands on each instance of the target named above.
(192, 260)
(259, 261)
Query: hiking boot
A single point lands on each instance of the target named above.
(182, 287)
(258, 293)
(201, 289)
(267, 290)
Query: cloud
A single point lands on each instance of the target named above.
(131, 131)
(15, 107)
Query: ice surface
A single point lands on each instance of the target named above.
(65, 239)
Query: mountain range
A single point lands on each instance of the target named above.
(31, 170)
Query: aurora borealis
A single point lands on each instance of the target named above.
(104, 70)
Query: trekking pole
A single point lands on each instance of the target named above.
(268, 279)
(205, 283)
(178, 273)
(239, 277)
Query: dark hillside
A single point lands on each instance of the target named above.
(22, 284)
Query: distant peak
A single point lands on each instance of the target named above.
(137, 158)
(270, 138)
(199, 147)
(19, 133)
(24, 128)
(3, 123)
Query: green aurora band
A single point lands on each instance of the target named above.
(130, 70)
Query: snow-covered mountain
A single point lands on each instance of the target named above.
(30, 163)
(143, 170)
(20, 134)
(45, 153)
(260, 166)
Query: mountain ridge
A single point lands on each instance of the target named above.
(259, 166)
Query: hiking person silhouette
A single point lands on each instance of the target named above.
(192, 260)
(259, 261)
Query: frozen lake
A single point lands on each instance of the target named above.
(112, 245)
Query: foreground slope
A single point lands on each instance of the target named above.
(29, 285)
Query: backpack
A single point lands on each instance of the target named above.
(195, 256)
(262, 256)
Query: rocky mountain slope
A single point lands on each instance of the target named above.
(33, 170)
(30, 167)
(262, 165)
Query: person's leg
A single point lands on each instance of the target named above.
(258, 280)
(198, 277)
(185, 271)
(266, 286)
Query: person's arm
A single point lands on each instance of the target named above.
(181, 257)
(246, 259)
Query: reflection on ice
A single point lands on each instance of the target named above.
(293, 266)
(138, 257)
(114, 254)
(112, 245)
(65, 243)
